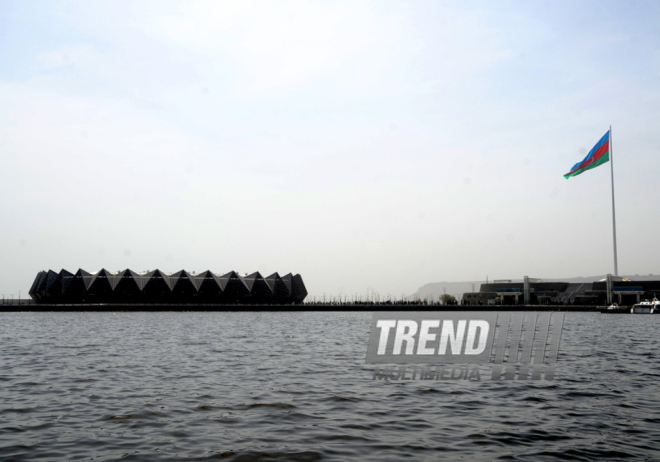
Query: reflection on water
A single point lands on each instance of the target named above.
(294, 386)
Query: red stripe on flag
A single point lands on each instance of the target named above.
(595, 158)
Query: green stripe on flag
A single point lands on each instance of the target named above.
(604, 158)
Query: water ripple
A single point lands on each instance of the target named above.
(294, 387)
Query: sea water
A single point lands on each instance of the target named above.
(294, 386)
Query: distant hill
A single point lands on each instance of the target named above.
(457, 289)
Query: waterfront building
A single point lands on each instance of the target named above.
(532, 291)
(159, 287)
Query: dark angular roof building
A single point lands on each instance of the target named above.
(158, 287)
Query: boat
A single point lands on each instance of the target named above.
(614, 308)
(646, 307)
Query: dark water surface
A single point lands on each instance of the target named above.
(295, 387)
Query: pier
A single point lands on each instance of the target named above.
(298, 307)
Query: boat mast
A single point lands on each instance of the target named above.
(616, 268)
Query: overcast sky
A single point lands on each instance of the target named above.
(380, 145)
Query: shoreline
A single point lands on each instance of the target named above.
(297, 308)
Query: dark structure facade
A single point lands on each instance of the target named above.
(513, 293)
(158, 287)
(535, 292)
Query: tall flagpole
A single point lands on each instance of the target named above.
(616, 268)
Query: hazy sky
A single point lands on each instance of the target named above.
(379, 145)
